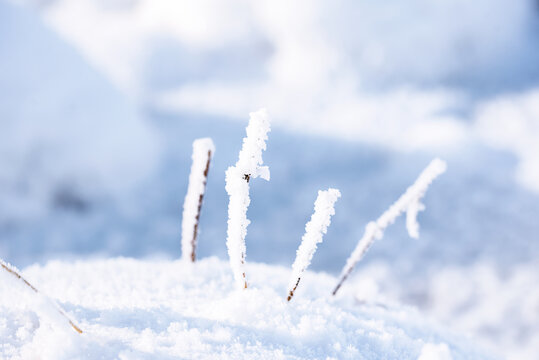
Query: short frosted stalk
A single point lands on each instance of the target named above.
(324, 209)
(249, 166)
(203, 150)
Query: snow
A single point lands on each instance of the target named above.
(319, 68)
(409, 202)
(131, 309)
(96, 135)
(313, 26)
(511, 122)
(435, 352)
(411, 218)
(12, 279)
(477, 299)
(203, 150)
(248, 166)
(66, 133)
(324, 208)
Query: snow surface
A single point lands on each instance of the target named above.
(203, 151)
(478, 299)
(12, 279)
(130, 309)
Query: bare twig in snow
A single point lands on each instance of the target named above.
(203, 150)
(14, 272)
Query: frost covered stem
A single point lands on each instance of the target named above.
(249, 166)
(203, 150)
(314, 233)
(13, 271)
(410, 202)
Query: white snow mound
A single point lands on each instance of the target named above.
(130, 309)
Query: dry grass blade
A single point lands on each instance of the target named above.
(11, 270)
(199, 208)
(409, 203)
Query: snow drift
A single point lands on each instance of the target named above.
(133, 309)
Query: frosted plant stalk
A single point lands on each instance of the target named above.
(314, 232)
(11, 270)
(410, 202)
(203, 150)
(249, 166)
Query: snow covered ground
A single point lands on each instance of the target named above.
(131, 309)
(100, 102)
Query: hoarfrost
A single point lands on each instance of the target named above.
(249, 166)
(409, 202)
(314, 233)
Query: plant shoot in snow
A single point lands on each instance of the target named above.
(249, 166)
(203, 150)
(314, 233)
(410, 202)
(6, 269)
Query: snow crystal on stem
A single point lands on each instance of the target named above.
(314, 233)
(203, 150)
(409, 202)
(249, 166)
(411, 218)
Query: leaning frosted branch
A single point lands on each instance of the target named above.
(12, 271)
(249, 166)
(314, 232)
(203, 150)
(409, 202)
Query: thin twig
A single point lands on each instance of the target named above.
(203, 150)
(14, 272)
(408, 202)
(324, 209)
(197, 218)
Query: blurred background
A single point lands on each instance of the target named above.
(100, 101)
